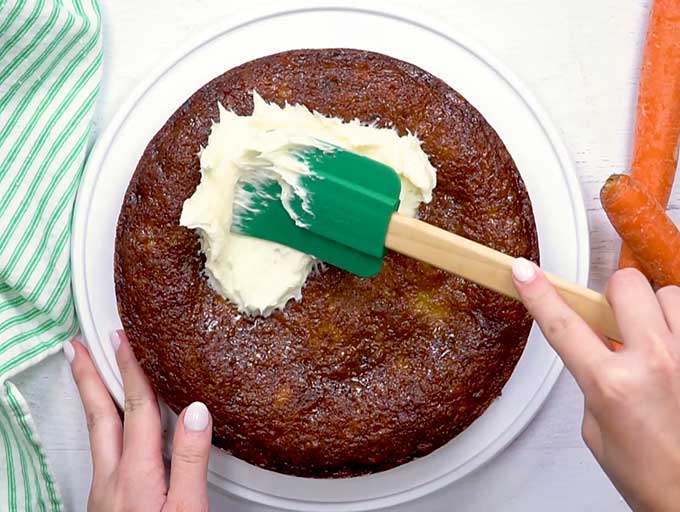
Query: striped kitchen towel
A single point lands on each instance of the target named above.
(50, 68)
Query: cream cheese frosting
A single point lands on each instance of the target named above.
(260, 276)
(275, 160)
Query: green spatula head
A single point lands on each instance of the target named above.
(336, 210)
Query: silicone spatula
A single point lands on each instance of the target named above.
(348, 218)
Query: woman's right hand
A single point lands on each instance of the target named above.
(631, 420)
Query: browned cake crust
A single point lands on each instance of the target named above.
(362, 374)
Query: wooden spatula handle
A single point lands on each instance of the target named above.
(489, 268)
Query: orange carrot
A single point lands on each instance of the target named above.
(657, 124)
(644, 225)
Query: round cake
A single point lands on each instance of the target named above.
(361, 375)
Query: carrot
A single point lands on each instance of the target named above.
(644, 225)
(657, 125)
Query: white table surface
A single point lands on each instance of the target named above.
(580, 58)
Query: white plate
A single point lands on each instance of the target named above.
(512, 111)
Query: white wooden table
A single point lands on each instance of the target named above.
(580, 58)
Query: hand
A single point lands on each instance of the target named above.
(128, 471)
(631, 421)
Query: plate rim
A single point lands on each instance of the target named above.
(383, 9)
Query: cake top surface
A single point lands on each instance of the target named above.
(361, 374)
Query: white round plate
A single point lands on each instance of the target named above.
(497, 94)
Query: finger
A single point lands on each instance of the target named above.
(578, 346)
(669, 299)
(188, 488)
(636, 308)
(103, 422)
(142, 424)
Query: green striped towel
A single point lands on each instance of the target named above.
(50, 68)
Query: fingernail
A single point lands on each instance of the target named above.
(196, 417)
(69, 351)
(115, 340)
(523, 270)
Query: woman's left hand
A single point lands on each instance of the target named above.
(128, 471)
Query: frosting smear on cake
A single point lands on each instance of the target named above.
(260, 276)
